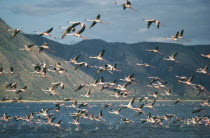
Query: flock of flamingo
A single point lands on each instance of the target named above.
(83, 110)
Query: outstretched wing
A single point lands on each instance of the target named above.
(128, 2)
(182, 32)
(82, 30)
(50, 30)
(174, 55)
(177, 34)
(98, 17)
(78, 66)
(93, 24)
(102, 53)
(149, 24)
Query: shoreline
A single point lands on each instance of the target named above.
(51, 101)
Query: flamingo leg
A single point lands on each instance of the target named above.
(84, 37)
(51, 50)
(134, 9)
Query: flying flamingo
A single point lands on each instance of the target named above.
(151, 105)
(157, 22)
(27, 47)
(70, 28)
(74, 61)
(155, 50)
(126, 5)
(16, 31)
(87, 93)
(189, 81)
(46, 33)
(174, 38)
(204, 70)
(99, 57)
(78, 33)
(180, 36)
(45, 46)
(145, 65)
(96, 20)
(172, 57)
(205, 56)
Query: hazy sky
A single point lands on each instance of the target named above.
(124, 25)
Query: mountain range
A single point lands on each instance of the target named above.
(125, 55)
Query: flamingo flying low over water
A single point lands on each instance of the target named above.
(96, 20)
(46, 33)
(126, 5)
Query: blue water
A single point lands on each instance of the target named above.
(113, 126)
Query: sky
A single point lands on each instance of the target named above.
(123, 25)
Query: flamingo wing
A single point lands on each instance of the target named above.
(149, 24)
(50, 30)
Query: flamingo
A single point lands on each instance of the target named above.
(82, 64)
(96, 20)
(46, 33)
(76, 121)
(205, 56)
(157, 22)
(140, 108)
(168, 91)
(154, 79)
(70, 28)
(87, 93)
(204, 70)
(177, 101)
(130, 78)
(13, 86)
(129, 105)
(189, 81)
(112, 68)
(99, 57)
(74, 61)
(155, 50)
(78, 33)
(122, 88)
(172, 57)
(126, 5)
(180, 36)
(16, 31)
(151, 105)
(117, 112)
(45, 46)
(174, 38)
(27, 47)
(145, 65)
(154, 94)
(80, 87)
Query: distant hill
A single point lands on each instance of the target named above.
(128, 55)
(21, 61)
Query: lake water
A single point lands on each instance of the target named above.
(113, 126)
